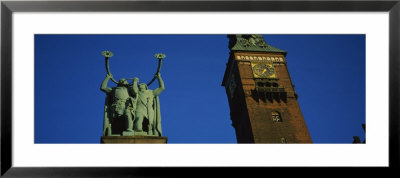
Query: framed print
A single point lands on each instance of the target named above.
(69, 36)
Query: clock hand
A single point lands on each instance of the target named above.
(265, 70)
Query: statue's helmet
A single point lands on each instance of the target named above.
(123, 81)
(143, 86)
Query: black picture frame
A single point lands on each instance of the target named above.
(8, 7)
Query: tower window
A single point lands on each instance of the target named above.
(276, 117)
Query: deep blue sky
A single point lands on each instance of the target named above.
(328, 72)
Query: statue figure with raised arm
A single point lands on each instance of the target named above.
(131, 109)
(147, 115)
(119, 108)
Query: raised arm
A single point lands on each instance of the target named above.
(135, 86)
(161, 87)
(104, 84)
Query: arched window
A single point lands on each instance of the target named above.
(276, 117)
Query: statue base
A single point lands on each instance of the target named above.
(133, 139)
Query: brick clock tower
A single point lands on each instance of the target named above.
(261, 95)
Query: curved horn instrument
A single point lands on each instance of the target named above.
(159, 56)
(107, 55)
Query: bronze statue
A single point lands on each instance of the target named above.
(148, 107)
(119, 105)
(131, 109)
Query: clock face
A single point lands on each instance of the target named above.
(261, 70)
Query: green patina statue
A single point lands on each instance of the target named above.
(119, 106)
(132, 109)
(148, 107)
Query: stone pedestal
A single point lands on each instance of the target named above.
(133, 139)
